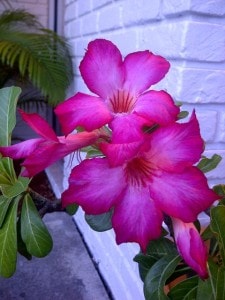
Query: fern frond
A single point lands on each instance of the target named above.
(42, 56)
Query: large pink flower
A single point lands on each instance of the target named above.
(191, 246)
(160, 179)
(39, 153)
(121, 86)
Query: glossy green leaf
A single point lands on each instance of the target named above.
(220, 190)
(72, 209)
(7, 172)
(218, 227)
(155, 250)
(15, 188)
(21, 246)
(145, 262)
(183, 114)
(100, 222)
(8, 242)
(204, 290)
(33, 230)
(161, 247)
(217, 280)
(4, 205)
(185, 290)
(156, 278)
(8, 102)
(209, 164)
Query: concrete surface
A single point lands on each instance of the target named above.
(67, 273)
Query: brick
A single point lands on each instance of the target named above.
(164, 39)
(70, 12)
(216, 8)
(172, 82)
(140, 11)
(202, 85)
(96, 4)
(83, 7)
(118, 38)
(89, 24)
(208, 124)
(172, 7)
(109, 18)
(73, 29)
(187, 39)
(221, 129)
(204, 42)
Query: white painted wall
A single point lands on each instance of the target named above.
(36, 7)
(191, 35)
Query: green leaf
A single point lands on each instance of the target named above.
(156, 278)
(72, 209)
(155, 250)
(16, 188)
(33, 230)
(8, 102)
(21, 246)
(4, 205)
(183, 114)
(145, 262)
(7, 172)
(8, 241)
(220, 190)
(100, 222)
(185, 290)
(204, 290)
(218, 227)
(35, 54)
(161, 247)
(217, 280)
(209, 164)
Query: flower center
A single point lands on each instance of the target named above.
(138, 172)
(122, 102)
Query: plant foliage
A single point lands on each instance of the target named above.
(28, 51)
(17, 227)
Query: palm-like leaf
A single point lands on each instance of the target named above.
(36, 53)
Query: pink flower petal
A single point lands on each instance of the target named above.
(127, 138)
(136, 218)
(47, 152)
(82, 110)
(182, 195)
(79, 140)
(157, 107)
(143, 69)
(94, 186)
(118, 154)
(39, 125)
(101, 68)
(191, 247)
(45, 155)
(180, 146)
(127, 128)
(22, 149)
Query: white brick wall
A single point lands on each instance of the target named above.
(36, 7)
(190, 34)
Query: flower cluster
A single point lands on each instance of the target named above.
(147, 165)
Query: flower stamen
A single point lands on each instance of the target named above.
(122, 102)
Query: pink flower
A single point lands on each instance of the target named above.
(121, 86)
(39, 153)
(191, 247)
(160, 179)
